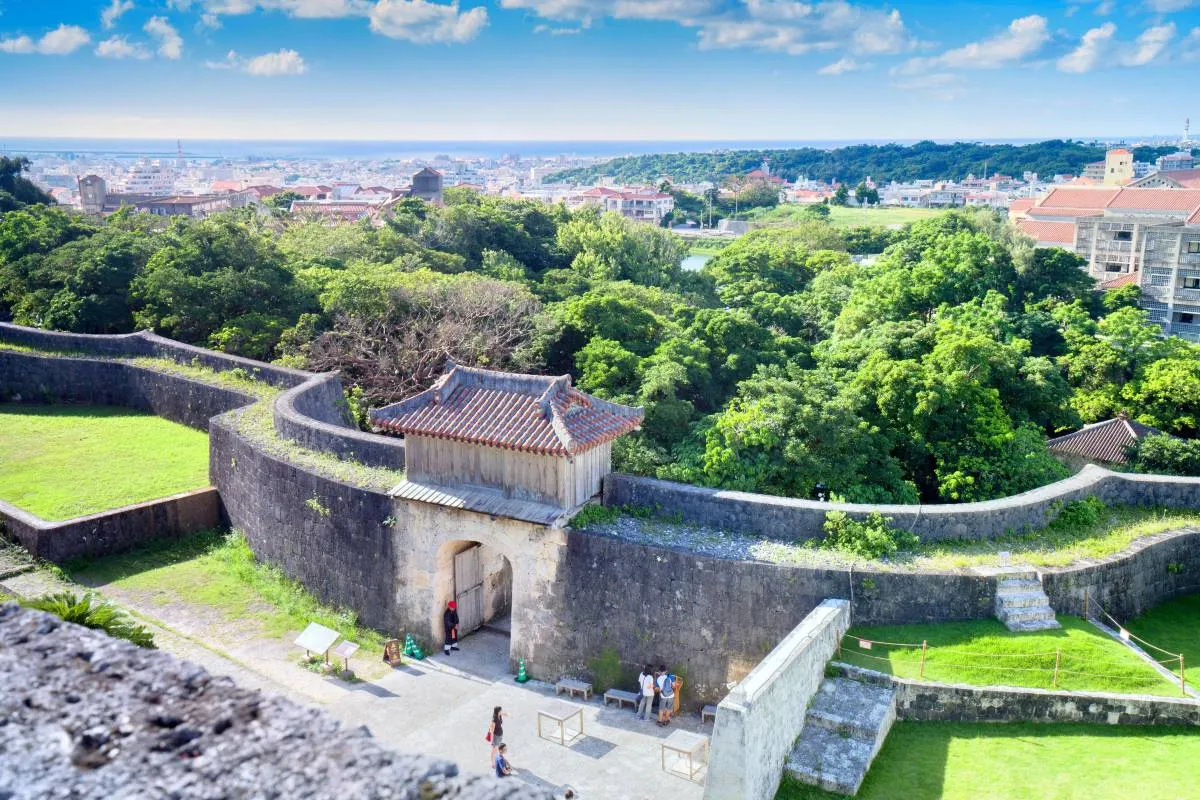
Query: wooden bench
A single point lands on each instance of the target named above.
(572, 686)
(622, 697)
(707, 713)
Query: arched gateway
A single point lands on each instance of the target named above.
(495, 464)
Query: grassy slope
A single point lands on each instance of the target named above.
(1174, 626)
(854, 217)
(218, 570)
(1026, 761)
(64, 461)
(984, 652)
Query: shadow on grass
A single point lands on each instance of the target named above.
(152, 555)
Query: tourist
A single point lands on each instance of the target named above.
(646, 685)
(450, 623)
(496, 730)
(503, 768)
(666, 695)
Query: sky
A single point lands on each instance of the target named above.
(597, 69)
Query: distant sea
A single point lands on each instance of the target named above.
(252, 149)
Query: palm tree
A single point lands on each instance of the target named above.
(92, 613)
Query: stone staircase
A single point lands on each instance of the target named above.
(1021, 603)
(843, 731)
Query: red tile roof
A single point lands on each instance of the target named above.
(1078, 197)
(1194, 219)
(1056, 232)
(1021, 204)
(1129, 278)
(1040, 211)
(530, 413)
(1157, 199)
(1105, 441)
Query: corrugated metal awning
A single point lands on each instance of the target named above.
(480, 500)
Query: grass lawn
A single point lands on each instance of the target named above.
(217, 570)
(984, 652)
(63, 461)
(882, 217)
(1026, 761)
(1174, 626)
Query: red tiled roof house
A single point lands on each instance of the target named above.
(528, 438)
(1105, 443)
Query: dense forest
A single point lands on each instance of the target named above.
(934, 372)
(882, 163)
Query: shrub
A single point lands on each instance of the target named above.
(1083, 513)
(91, 613)
(871, 538)
(594, 514)
(1167, 455)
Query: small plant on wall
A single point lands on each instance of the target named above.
(1175, 568)
(314, 504)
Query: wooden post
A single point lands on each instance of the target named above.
(1057, 663)
(924, 647)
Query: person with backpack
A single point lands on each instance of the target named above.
(647, 689)
(666, 695)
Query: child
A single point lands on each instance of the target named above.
(666, 695)
(503, 768)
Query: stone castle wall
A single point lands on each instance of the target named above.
(789, 519)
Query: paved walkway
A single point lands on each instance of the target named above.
(442, 706)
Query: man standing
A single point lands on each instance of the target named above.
(666, 695)
(450, 623)
(646, 680)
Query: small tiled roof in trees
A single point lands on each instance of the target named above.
(529, 413)
(1106, 441)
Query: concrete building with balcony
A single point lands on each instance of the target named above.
(643, 205)
(1147, 237)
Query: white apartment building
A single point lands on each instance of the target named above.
(1148, 237)
(643, 205)
(151, 179)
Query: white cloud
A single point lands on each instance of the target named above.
(170, 43)
(61, 41)
(179, 5)
(1023, 38)
(785, 26)
(1092, 49)
(1150, 45)
(1169, 6)
(308, 9)
(268, 65)
(1190, 50)
(555, 31)
(1100, 48)
(110, 15)
(283, 62)
(841, 67)
(425, 22)
(119, 47)
(209, 22)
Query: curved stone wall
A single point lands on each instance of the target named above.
(313, 415)
(789, 519)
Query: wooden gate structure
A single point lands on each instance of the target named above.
(468, 589)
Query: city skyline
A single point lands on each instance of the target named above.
(600, 70)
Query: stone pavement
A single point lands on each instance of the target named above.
(442, 706)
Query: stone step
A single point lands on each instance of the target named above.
(1019, 586)
(1022, 599)
(851, 707)
(1027, 613)
(1029, 626)
(830, 760)
(844, 729)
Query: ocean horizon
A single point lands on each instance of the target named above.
(376, 150)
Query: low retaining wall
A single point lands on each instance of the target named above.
(939, 702)
(760, 718)
(313, 415)
(113, 531)
(789, 519)
(1151, 571)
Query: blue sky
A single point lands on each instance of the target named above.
(597, 69)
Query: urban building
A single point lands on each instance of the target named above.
(186, 206)
(643, 205)
(1175, 161)
(1142, 236)
(1172, 179)
(427, 185)
(95, 199)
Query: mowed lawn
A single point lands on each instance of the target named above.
(1027, 761)
(1174, 626)
(852, 217)
(64, 461)
(984, 652)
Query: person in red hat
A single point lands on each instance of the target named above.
(450, 623)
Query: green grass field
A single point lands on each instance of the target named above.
(1174, 626)
(64, 461)
(879, 217)
(1026, 761)
(217, 570)
(984, 652)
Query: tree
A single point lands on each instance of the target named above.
(866, 194)
(17, 191)
(841, 195)
(1166, 455)
(282, 201)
